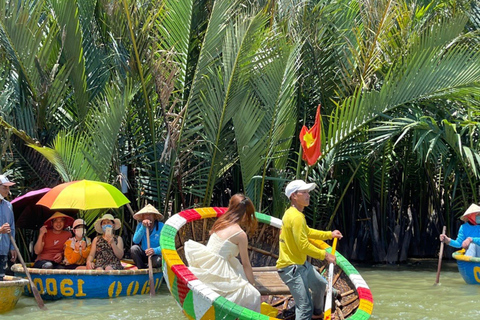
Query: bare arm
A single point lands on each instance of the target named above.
(117, 248)
(38, 248)
(91, 256)
(243, 248)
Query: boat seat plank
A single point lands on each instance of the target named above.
(268, 282)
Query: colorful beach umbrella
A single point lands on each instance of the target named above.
(83, 195)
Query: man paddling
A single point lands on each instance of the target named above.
(7, 225)
(292, 265)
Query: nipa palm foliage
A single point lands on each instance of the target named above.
(197, 97)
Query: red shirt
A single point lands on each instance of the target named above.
(53, 244)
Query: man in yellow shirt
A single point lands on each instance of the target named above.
(292, 265)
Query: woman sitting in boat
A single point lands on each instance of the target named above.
(216, 264)
(51, 240)
(149, 218)
(78, 247)
(468, 236)
(107, 248)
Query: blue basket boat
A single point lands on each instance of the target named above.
(54, 284)
(469, 267)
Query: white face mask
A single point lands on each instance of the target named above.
(79, 232)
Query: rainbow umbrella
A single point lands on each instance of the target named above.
(83, 195)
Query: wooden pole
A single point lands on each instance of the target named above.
(327, 315)
(150, 269)
(36, 294)
(440, 255)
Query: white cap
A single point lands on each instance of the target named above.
(298, 185)
(4, 181)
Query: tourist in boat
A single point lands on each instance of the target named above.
(7, 225)
(51, 241)
(216, 264)
(107, 248)
(148, 217)
(468, 236)
(292, 265)
(78, 247)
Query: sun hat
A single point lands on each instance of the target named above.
(49, 222)
(79, 222)
(4, 181)
(298, 185)
(471, 210)
(146, 210)
(107, 216)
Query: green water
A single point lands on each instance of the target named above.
(400, 293)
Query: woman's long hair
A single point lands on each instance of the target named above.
(241, 211)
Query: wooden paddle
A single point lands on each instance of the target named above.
(440, 257)
(150, 269)
(327, 314)
(36, 294)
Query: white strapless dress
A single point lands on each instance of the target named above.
(216, 265)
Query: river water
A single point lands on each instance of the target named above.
(405, 292)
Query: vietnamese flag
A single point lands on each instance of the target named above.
(311, 141)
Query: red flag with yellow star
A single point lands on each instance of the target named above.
(311, 141)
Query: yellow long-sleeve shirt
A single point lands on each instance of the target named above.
(294, 245)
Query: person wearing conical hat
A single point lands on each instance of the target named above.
(148, 217)
(51, 240)
(468, 236)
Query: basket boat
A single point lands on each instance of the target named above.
(198, 301)
(468, 266)
(10, 290)
(54, 284)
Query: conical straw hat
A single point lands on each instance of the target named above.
(472, 209)
(148, 209)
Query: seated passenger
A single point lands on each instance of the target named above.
(216, 264)
(148, 217)
(78, 247)
(468, 236)
(51, 241)
(107, 248)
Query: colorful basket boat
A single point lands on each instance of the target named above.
(54, 284)
(10, 290)
(198, 301)
(469, 267)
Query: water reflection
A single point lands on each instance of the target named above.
(403, 292)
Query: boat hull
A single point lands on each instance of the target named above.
(10, 291)
(198, 301)
(54, 284)
(469, 267)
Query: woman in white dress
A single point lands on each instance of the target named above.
(216, 264)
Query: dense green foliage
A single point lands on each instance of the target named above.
(201, 99)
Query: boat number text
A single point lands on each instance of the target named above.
(68, 288)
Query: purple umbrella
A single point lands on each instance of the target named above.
(29, 215)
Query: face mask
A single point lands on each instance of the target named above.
(79, 232)
(106, 226)
(477, 219)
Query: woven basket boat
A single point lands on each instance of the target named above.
(54, 284)
(200, 302)
(10, 290)
(469, 267)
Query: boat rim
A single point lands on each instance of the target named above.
(460, 256)
(19, 268)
